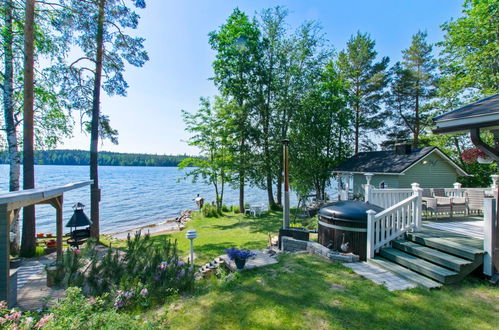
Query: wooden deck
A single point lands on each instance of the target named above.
(454, 232)
(467, 227)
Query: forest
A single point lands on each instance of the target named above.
(279, 82)
(106, 158)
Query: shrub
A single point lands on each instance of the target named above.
(145, 273)
(210, 211)
(225, 208)
(75, 311)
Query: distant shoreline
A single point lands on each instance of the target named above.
(106, 158)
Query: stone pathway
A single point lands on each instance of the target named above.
(25, 273)
(380, 276)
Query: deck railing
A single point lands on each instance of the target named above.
(393, 222)
(386, 197)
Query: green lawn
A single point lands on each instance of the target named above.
(304, 291)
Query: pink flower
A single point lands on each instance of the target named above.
(44, 320)
(144, 292)
(77, 251)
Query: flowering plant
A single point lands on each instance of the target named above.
(40, 235)
(48, 235)
(469, 156)
(51, 243)
(236, 254)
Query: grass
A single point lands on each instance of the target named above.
(304, 291)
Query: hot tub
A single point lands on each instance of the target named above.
(343, 226)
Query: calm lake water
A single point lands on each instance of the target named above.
(131, 196)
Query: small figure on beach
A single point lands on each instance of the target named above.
(199, 201)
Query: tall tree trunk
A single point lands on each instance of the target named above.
(28, 246)
(242, 174)
(8, 110)
(357, 116)
(416, 115)
(94, 131)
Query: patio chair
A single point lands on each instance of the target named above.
(436, 202)
(474, 200)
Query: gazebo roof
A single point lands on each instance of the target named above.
(27, 197)
(483, 113)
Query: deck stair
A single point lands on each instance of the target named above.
(431, 258)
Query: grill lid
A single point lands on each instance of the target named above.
(348, 210)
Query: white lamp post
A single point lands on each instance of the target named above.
(191, 235)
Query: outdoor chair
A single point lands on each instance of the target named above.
(474, 200)
(436, 202)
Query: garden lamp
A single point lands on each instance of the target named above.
(191, 235)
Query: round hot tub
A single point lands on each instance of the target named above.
(343, 226)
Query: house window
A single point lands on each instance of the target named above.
(383, 185)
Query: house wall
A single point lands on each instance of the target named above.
(359, 179)
(436, 173)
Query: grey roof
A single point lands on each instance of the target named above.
(486, 106)
(387, 161)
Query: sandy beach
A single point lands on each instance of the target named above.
(165, 227)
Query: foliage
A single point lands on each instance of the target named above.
(320, 134)
(213, 136)
(78, 26)
(211, 211)
(412, 91)
(367, 80)
(237, 254)
(470, 52)
(145, 273)
(76, 311)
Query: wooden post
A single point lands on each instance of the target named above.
(339, 186)
(4, 253)
(488, 227)
(418, 209)
(59, 220)
(368, 187)
(370, 234)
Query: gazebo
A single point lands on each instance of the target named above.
(482, 114)
(10, 205)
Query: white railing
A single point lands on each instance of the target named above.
(386, 197)
(394, 221)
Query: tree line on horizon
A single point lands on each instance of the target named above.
(106, 158)
(277, 83)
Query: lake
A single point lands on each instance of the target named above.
(131, 196)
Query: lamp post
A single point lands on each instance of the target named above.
(285, 144)
(191, 235)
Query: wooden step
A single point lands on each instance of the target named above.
(406, 273)
(435, 256)
(464, 251)
(438, 273)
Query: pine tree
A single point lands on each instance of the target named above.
(367, 80)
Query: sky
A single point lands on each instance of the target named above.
(176, 31)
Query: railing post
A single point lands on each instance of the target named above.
(458, 191)
(418, 209)
(368, 187)
(488, 226)
(370, 233)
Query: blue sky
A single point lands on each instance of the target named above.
(149, 118)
